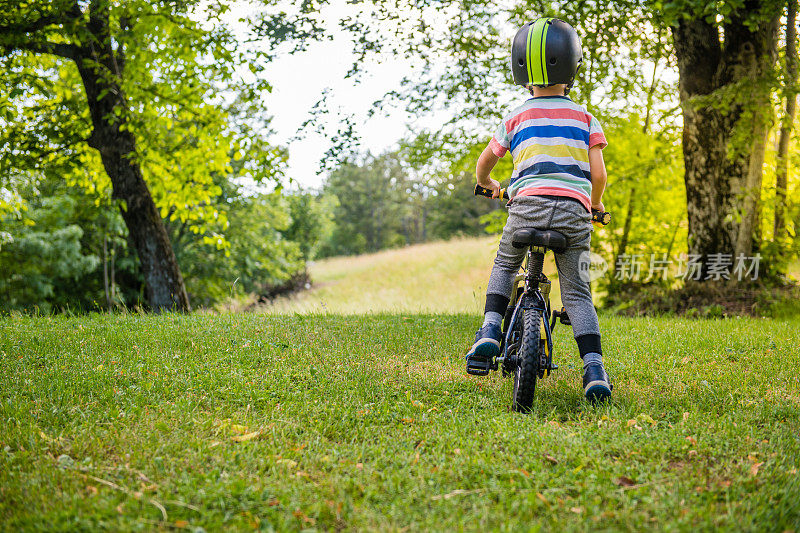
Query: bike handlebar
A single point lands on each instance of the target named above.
(598, 217)
(483, 191)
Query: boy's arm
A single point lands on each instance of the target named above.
(486, 163)
(597, 168)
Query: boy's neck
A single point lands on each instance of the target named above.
(555, 90)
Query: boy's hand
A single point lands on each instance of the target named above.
(599, 206)
(493, 185)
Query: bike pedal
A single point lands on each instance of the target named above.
(562, 316)
(479, 368)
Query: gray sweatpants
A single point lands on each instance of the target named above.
(568, 217)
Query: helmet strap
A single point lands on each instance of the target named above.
(568, 88)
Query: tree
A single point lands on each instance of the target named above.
(63, 249)
(312, 224)
(645, 194)
(44, 257)
(259, 258)
(86, 36)
(41, 264)
(726, 71)
(370, 203)
(129, 97)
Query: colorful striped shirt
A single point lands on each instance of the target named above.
(549, 138)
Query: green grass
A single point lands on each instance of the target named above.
(438, 277)
(369, 422)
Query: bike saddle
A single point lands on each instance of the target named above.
(548, 238)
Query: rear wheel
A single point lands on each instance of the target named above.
(527, 361)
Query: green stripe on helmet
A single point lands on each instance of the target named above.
(537, 64)
(543, 60)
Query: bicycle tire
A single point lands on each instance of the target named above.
(527, 362)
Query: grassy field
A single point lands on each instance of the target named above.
(350, 423)
(438, 277)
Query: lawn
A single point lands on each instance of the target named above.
(438, 277)
(369, 422)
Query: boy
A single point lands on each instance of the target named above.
(559, 176)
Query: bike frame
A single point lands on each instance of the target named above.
(531, 298)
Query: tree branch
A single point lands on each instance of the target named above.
(30, 27)
(65, 50)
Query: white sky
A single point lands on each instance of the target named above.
(296, 90)
(299, 81)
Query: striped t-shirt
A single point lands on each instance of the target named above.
(549, 138)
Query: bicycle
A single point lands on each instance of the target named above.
(526, 348)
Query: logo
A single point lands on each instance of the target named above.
(591, 266)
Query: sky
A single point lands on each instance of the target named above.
(298, 83)
(296, 90)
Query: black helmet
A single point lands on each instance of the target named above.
(545, 52)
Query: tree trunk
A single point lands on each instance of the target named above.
(101, 75)
(749, 233)
(708, 176)
(790, 80)
(717, 172)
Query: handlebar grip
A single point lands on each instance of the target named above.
(483, 191)
(598, 217)
(601, 217)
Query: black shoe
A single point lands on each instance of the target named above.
(597, 384)
(487, 346)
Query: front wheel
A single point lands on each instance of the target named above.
(527, 361)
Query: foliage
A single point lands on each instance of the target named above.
(646, 176)
(455, 210)
(44, 258)
(182, 132)
(47, 260)
(289, 423)
(311, 221)
(397, 199)
(55, 252)
(780, 251)
(459, 51)
(370, 209)
(259, 256)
